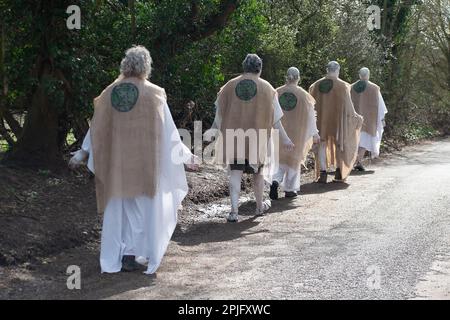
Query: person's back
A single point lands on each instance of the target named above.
(329, 93)
(140, 184)
(299, 121)
(247, 109)
(247, 103)
(126, 139)
(338, 123)
(365, 100)
(297, 105)
(369, 103)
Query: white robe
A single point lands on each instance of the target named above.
(287, 177)
(143, 226)
(373, 143)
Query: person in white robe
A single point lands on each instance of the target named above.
(369, 102)
(249, 103)
(300, 124)
(137, 228)
(338, 123)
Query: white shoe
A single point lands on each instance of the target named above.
(265, 207)
(233, 217)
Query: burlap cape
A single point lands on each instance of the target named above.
(126, 144)
(366, 104)
(338, 123)
(256, 113)
(296, 124)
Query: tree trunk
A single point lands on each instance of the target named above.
(38, 144)
(131, 6)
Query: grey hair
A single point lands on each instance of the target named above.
(364, 73)
(333, 66)
(252, 63)
(293, 75)
(137, 63)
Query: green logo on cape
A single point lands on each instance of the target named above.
(246, 90)
(124, 97)
(326, 85)
(360, 86)
(288, 101)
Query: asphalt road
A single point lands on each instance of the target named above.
(384, 235)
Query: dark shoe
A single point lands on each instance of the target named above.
(338, 175)
(274, 191)
(323, 177)
(359, 167)
(290, 194)
(129, 264)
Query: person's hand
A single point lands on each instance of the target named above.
(289, 146)
(78, 158)
(193, 165)
(316, 139)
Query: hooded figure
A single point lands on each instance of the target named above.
(338, 123)
(299, 122)
(247, 109)
(140, 180)
(369, 103)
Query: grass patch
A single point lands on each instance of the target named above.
(420, 132)
(4, 146)
(70, 138)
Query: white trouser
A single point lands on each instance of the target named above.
(361, 153)
(235, 189)
(289, 178)
(323, 156)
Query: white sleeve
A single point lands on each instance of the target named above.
(277, 112)
(312, 123)
(381, 106)
(180, 153)
(217, 119)
(186, 149)
(283, 135)
(87, 147)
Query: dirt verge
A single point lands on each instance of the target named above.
(43, 213)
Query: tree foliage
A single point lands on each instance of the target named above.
(50, 75)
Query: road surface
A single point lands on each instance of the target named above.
(384, 235)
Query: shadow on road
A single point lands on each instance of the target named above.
(217, 232)
(284, 204)
(362, 173)
(317, 188)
